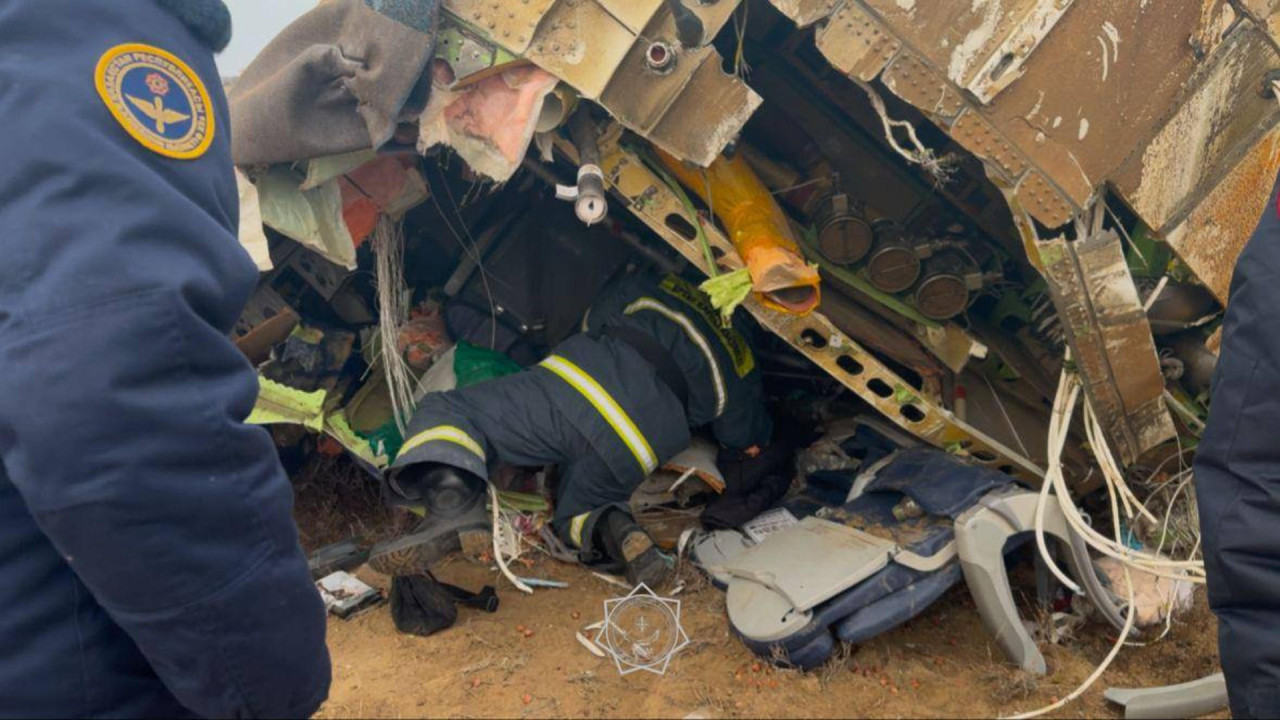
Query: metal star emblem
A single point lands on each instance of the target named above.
(642, 631)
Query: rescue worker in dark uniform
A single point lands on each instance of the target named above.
(1237, 477)
(149, 564)
(609, 406)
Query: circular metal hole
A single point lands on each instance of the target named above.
(660, 57)
(1002, 67)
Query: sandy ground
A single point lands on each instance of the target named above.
(941, 664)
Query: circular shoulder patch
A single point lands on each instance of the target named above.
(158, 99)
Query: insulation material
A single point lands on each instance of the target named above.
(313, 218)
(330, 167)
(278, 403)
(440, 378)
(338, 427)
(388, 184)
(758, 229)
(339, 79)
(489, 123)
(252, 237)
(1154, 597)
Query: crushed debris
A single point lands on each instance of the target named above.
(917, 244)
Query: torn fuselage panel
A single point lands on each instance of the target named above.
(1110, 339)
(1164, 104)
(627, 57)
(1214, 233)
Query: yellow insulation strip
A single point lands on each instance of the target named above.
(575, 529)
(280, 404)
(337, 427)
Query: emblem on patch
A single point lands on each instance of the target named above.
(158, 99)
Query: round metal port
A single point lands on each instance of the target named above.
(660, 57)
(845, 240)
(942, 297)
(894, 268)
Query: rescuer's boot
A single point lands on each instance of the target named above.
(455, 521)
(629, 545)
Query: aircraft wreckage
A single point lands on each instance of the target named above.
(935, 201)
(952, 219)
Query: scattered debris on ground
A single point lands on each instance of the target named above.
(942, 663)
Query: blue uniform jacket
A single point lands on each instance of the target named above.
(149, 564)
(1237, 477)
(726, 392)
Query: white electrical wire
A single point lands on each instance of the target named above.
(1008, 420)
(1120, 496)
(1140, 560)
(918, 154)
(497, 548)
(1106, 662)
(393, 314)
(1060, 417)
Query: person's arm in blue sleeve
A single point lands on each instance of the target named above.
(746, 422)
(122, 400)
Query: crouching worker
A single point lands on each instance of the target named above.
(609, 406)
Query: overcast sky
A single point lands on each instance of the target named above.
(254, 23)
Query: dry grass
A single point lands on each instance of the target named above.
(1008, 685)
(334, 500)
(837, 666)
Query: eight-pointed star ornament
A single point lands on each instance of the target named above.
(642, 631)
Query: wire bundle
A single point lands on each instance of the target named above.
(1122, 498)
(393, 314)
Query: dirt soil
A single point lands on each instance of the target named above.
(942, 664)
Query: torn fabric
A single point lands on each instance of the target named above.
(337, 80)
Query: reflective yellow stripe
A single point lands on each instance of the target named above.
(575, 528)
(608, 408)
(447, 433)
(692, 331)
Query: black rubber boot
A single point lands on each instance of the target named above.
(628, 544)
(456, 520)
